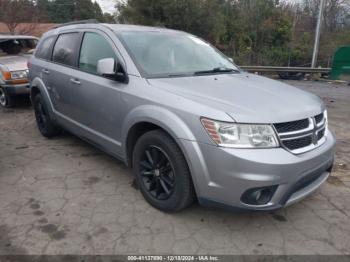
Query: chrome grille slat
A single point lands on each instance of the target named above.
(305, 138)
(298, 132)
(297, 136)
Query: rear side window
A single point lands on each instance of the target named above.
(44, 49)
(94, 48)
(65, 48)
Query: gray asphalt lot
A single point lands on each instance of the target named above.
(63, 196)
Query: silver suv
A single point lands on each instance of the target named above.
(186, 119)
(15, 51)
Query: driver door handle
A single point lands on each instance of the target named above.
(45, 71)
(75, 81)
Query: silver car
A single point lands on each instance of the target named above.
(15, 51)
(187, 120)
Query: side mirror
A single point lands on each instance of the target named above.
(109, 68)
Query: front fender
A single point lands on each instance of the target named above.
(179, 130)
(159, 116)
(40, 85)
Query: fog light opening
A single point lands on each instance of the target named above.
(258, 196)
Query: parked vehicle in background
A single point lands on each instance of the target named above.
(15, 51)
(188, 121)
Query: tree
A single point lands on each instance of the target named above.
(62, 11)
(196, 16)
(14, 12)
(108, 18)
(261, 32)
(98, 14)
(43, 7)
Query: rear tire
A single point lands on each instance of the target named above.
(46, 125)
(6, 100)
(162, 172)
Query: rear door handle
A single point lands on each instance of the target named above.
(45, 71)
(75, 81)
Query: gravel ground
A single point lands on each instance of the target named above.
(62, 196)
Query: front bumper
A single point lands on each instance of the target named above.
(222, 175)
(18, 89)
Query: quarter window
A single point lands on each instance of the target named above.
(65, 49)
(44, 49)
(94, 48)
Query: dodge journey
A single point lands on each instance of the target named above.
(189, 122)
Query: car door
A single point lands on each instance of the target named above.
(42, 67)
(96, 100)
(61, 71)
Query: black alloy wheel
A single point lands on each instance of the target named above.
(162, 172)
(157, 173)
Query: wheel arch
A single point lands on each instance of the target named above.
(147, 118)
(38, 87)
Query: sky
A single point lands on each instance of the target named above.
(107, 5)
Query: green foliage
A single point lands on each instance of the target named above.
(245, 29)
(108, 18)
(62, 11)
(254, 32)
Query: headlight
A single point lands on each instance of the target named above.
(240, 135)
(19, 74)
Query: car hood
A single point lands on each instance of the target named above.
(247, 98)
(15, 62)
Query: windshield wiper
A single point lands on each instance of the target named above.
(216, 70)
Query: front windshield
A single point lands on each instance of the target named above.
(160, 54)
(17, 46)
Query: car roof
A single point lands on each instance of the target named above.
(113, 27)
(4, 37)
(125, 27)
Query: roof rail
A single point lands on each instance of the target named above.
(88, 21)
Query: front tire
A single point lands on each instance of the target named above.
(162, 172)
(46, 125)
(6, 100)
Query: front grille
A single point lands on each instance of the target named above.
(298, 142)
(319, 118)
(300, 135)
(292, 126)
(320, 134)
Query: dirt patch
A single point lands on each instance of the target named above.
(279, 218)
(134, 184)
(91, 154)
(91, 181)
(54, 232)
(38, 213)
(34, 206)
(43, 220)
(21, 147)
(100, 231)
(6, 245)
(340, 167)
(6, 110)
(333, 180)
